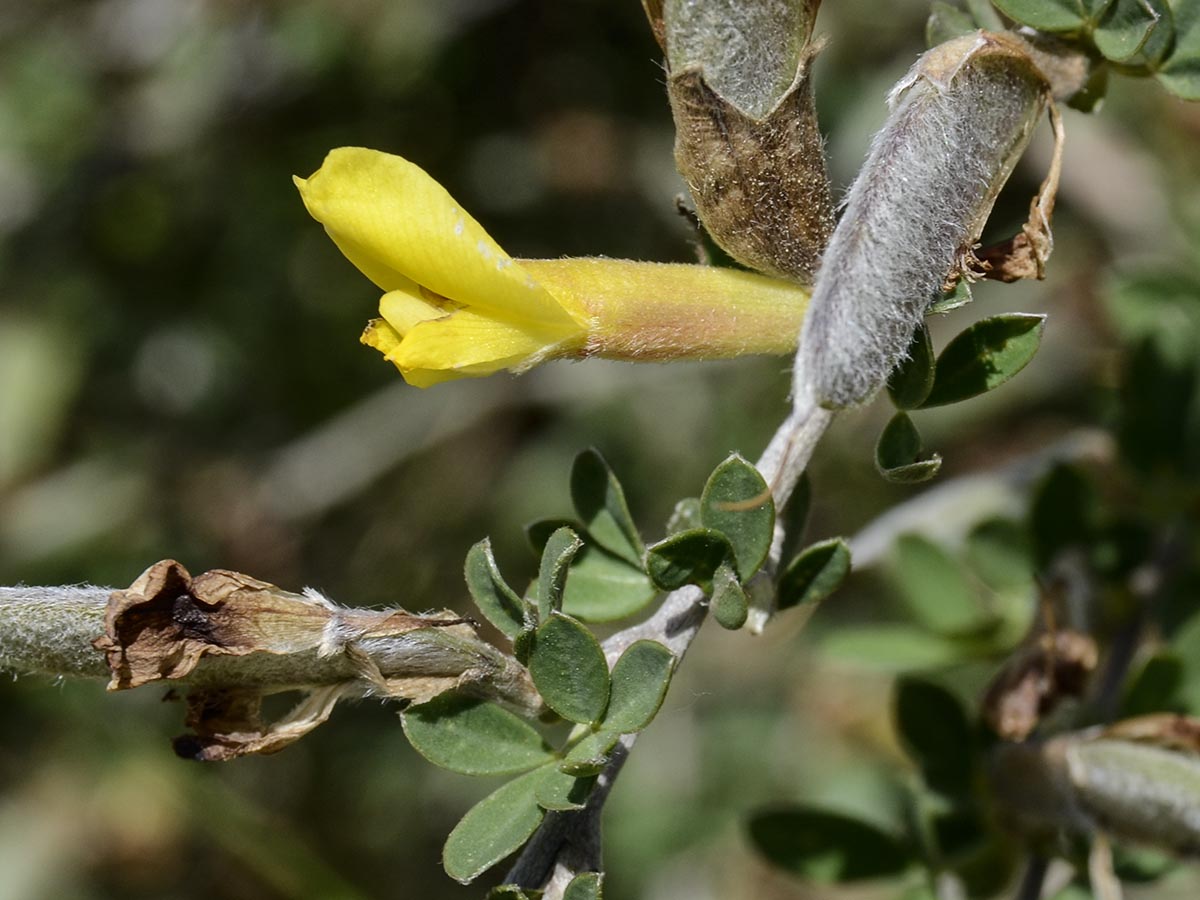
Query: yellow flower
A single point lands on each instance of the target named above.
(456, 305)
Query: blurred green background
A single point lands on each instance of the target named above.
(180, 376)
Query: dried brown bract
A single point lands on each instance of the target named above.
(234, 640)
(1036, 679)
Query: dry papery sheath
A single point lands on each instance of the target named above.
(959, 121)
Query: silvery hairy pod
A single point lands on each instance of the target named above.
(959, 121)
(1137, 780)
(746, 135)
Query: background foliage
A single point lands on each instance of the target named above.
(180, 376)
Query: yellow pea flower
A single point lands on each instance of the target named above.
(456, 305)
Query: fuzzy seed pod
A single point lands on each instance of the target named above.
(746, 136)
(959, 122)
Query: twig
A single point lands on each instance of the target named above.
(567, 844)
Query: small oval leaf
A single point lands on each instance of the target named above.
(936, 587)
(1044, 15)
(639, 683)
(1134, 32)
(498, 603)
(473, 737)
(730, 607)
(934, 729)
(588, 886)
(814, 574)
(493, 828)
(689, 557)
(737, 502)
(1180, 72)
(897, 455)
(560, 549)
(569, 670)
(985, 356)
(912, 380)
(826, 846)
(600, 502)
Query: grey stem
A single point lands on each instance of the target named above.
(553, 856)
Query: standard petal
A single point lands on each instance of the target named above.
(389, 217)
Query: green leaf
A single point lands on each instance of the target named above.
(935, 587)
(1155, 687)
(562, 792)
(911, 381)
(689, 557)
(603, 587)
(569, 670)
(590, 755)
(895, 647)
(639, 683)
(1045, 15)
(814, 574)
(498, 603)
(588, 886)
(947, 22)
(1133, 31)
(825, 846)
(1157, 426)
(737, 502)
(493, 828)
(934, 729)
(958, 296)
(508, 892)
(523, 644)
(985, 356)
(473, 737)
(897, 455)
(730, 607)
(600, 503)
(1062, 513)
(998, 552)
(1161, 304)
(1180, 73)
(560, 549)
(538, 532)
